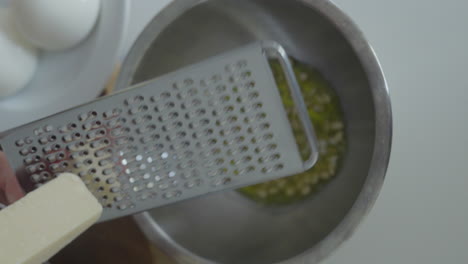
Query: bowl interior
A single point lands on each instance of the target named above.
(226, 227)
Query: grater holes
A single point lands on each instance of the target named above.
(274, 157)
(204, 122)
(85, 116)
(154, 99)
(56, 147)
(24, 152)
(229, 109)
(216, 78)
(212, 141)
(222, 133)
(260, 116)
(225, 98)
(45, 176)
(116, 112)
(215, 151)
(108, 114)
(192, 91)
(263, 127)
(181, 96)
(45, 150)
(223, 181)
(20, 143)
(239, 139)
(200, 112)
(234, 162)
(243, 148)
(138, 109)
(246, 74)
(27, 161)
(172, 194)
(60, 156)
(162, 161)
(208, 92)
(134, 100)
(236, 129)
(208, 132)
(230, 68)
(220, 88)
(193, 183)
(28, 140)
(250, 169)
(258, 105)
(188, 82)
(247, 159)
(259, 150)
(272, 146)
(35, 178)
(97, 123)
(232, 119)
(253, 95)
(119, 131)
(72, 126)
(38, 131)
(249, 85)
(32, 150)
(176, 125)
(241, 64)
(169, 105)
(165, 95)
(64, 164)
(76, 136)
(195, 102)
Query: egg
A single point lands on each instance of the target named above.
(55, 24)
(18, 58)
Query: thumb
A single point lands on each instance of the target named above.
(8, 182)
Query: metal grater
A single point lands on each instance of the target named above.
(216, 125)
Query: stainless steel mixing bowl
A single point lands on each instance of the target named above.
(226, 227)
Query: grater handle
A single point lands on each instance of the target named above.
(274, 50)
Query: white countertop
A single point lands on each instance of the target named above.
(421, 215)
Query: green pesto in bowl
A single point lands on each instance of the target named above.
(327, 117)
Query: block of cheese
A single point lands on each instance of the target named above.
(36, 227)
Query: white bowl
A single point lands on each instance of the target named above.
(73, 77)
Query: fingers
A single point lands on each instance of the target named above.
(9, 184)
(3, 199)
(5, 170)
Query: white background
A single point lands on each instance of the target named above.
(421, 215)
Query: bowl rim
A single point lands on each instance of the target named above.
(383, 129)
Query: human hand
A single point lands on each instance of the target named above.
(10, 190)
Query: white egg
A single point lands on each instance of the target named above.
(18, 58)
(55, 24)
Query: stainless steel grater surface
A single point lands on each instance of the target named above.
(219, 124)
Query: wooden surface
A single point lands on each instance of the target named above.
(117, 242)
